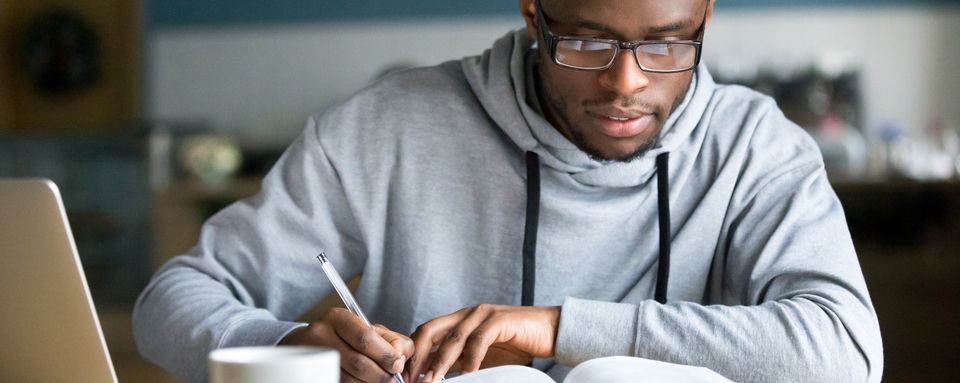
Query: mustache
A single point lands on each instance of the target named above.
(628, 103)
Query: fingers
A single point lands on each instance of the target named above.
(357, 367)
(347, 378)
(453, 344)
(501, 354)
(401, 343)
(367, 342)
(424, 339)
(362, 368)
(466, 337)
(475, 349)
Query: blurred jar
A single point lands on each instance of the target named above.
(843, 147)
(945, 140)
(212, 158)
(931, 156)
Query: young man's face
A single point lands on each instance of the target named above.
(617, 113)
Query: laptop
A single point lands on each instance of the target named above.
(49, 331)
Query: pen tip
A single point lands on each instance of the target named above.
(322, 257)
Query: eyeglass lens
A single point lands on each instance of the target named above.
(597, 54)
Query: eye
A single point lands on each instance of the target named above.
(587, 45)
(656, 49)
(593, 46)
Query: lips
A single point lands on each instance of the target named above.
(621, 124)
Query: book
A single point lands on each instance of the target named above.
(608, 369)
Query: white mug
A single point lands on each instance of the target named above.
(274, 364)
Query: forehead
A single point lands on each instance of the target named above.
(627, 16)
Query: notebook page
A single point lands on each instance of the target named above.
(639, 370)
(503, 374)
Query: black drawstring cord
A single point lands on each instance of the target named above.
(530, 229)
(663, 210)
(530, 232)
(533, 223)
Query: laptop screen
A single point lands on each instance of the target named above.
(48, 328)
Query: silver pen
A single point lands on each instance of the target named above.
(345, 295)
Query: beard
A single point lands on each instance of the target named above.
(575, 133)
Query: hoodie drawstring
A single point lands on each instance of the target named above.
(533, 223)
(663, 216)
(530, 229)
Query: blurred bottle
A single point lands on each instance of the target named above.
(843, 147)
(931, 156)
(212, 158)
(160, 147)
(889, 135)
(945, 144)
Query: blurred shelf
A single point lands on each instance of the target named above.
(906, 235)
(868, 185)
(193, 189)
(902, 217)
(180, 209)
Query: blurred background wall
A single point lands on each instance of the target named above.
(152, 115)
(257, 75)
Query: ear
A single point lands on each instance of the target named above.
(709, 13)
(528, 9)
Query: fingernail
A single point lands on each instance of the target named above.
(398, 365)
(428, 377)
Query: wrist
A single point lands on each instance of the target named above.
(552, 318)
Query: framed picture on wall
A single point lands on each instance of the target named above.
(74, 64)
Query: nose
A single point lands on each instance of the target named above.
(624, 77)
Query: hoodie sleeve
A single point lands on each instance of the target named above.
(790, 304)
(254, 269)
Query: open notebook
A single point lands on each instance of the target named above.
(609, 369)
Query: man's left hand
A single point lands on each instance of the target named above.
(466, 336)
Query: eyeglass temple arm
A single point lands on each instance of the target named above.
(703, 30)
(542, 25)
(703, 23)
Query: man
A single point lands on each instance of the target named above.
(582, 189)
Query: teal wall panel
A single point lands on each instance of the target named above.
(184, 13)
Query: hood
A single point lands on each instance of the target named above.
(499, 78)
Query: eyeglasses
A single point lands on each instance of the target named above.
(656, 56)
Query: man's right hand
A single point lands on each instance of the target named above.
(367, 354)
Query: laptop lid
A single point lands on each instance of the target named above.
(49, 331)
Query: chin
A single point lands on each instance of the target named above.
(631, 155)
(619, 153)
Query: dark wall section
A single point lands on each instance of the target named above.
(184, 13)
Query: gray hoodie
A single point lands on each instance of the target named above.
(419, 184)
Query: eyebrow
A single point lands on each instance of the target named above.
(671, 27)
(658, 29)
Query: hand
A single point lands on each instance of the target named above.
(367, 354)
(508, 334)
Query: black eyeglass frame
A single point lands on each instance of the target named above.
(552, 41)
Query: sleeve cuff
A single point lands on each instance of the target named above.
(257, 332)
(594, 329)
